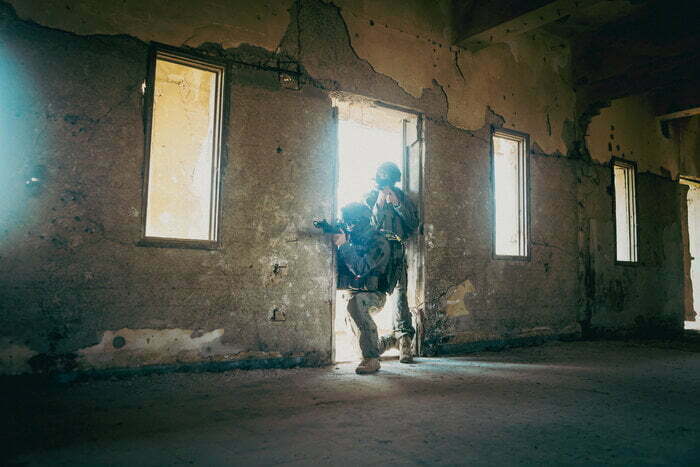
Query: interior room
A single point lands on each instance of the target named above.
(169, 294)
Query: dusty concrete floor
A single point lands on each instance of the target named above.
(561, 403)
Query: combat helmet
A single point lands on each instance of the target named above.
(387, 174)
(356, 216)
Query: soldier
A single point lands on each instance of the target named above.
(394, 213)
(363, 258)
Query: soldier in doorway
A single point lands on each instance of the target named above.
(395, 215)
(364, 256)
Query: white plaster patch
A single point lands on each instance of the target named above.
(132, 347)
(14, 357)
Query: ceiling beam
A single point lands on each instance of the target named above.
(510, 18)
(680, 114)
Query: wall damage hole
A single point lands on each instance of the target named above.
(277, 313)
(276, 274)
(118, 342)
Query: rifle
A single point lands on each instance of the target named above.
(327, 228)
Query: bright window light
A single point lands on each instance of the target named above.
(510, 180)
(625, 211)
(185, 142)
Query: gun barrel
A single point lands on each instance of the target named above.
(327, 228)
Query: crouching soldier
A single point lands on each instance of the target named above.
(363, 258)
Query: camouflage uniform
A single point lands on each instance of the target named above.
(362, 265)
(401, 220)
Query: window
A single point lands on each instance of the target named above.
(185, 97)
(625, 205)
(510, 194)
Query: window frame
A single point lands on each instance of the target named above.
(188, 58)
(633, 165)
(524, 139)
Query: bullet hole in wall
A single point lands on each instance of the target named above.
(277, 313)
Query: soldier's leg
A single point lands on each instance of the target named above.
(403, 325)
(364, 327)
(387, 342)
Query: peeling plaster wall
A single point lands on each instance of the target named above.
(533, 95)
(72, 275)
(491, 299)
(646, 298)
(408, 42)
(628, 128)
(180, 22)
(79, 294)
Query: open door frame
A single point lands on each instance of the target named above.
(413, 170)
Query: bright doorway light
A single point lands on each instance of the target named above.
(361, 150)
(368, 135)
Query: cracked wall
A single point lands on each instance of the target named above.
(74, 281)
(72, 273)
(186, 23)
(501, 300)
(647, 298)
(409, 43)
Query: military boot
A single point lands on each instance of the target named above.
(386, 342)
(405, 350)
(367, 366)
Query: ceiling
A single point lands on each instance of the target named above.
(619, 47)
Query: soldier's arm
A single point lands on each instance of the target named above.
(370, 198)
(407, 211)
(361, 264)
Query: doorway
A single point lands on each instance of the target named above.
(693, 209)
(369, 134)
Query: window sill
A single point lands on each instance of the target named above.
(178, 243)
(512, 258)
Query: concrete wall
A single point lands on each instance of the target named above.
(78, 293)
(686, 132)
(76, 290)
(648, 296)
